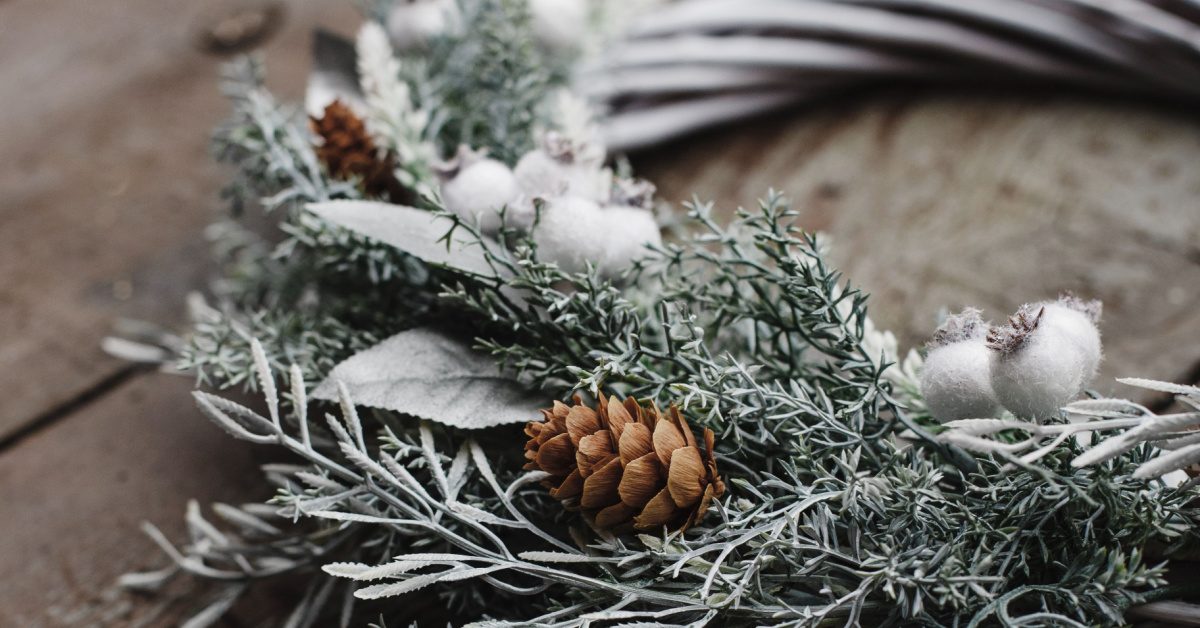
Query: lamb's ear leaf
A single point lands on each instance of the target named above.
(417, 232)
(428, 374)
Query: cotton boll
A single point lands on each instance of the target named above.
(541, 174)
(412, 23)
(478, 192)
(626, 233)
(956, 380)
(1077, 319)
(559, 24)
(570, 233)
(589, 180)
(559, 169)
(1038, 364)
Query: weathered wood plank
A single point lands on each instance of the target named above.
(943, 200)
(107, 181)
(75, 494)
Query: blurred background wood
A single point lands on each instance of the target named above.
(106, 185)
(939, 200)
(933, 200)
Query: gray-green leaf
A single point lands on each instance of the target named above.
(416, 232)
(427, 374)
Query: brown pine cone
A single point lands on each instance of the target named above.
(347, 151)
(625, 465)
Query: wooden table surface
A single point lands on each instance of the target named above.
(933, 199)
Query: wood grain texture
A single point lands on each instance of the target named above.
(75, 494)
(106, 178)
(107, 185)
(937, 200)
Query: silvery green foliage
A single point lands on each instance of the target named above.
(830, 517)
(324, 292)
(489, 83)
(270, 146)
(392, 115)
(827, 518)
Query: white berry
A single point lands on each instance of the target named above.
(955, 379)
(626, 233)
(1077, 320)
(1043, 358)
(549, 172)
(414, 23)
(559, 24)
(569, 233)
(541, 175)
(480, 190)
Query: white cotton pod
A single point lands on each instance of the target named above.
(559, 24)
(956, 379)
(570, 233)
(559, 168)
(479, 190)
(1077, 319)
(541, 175)
(626, 232)
(411, 24)
(1041, 360)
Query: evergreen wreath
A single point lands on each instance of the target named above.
(715, 431)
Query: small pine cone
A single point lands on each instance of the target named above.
(347, 151)
(624, 465)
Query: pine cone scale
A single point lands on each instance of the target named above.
(666, 440)
(600, 488)
(684, 477)
(657, 512)
(636, 441)
(581, 421)
(571, 487)
(641, 480)
(625, 465)
(556, 456)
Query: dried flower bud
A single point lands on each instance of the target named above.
(1045, 356)
(477, 188)
(633, 193)
(956, 381)
(411, 24)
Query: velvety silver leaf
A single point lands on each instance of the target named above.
(416, 232)
(428, 374)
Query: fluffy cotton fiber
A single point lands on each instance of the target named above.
(480, 190)
(955, 381)
(543, 174)
(570, 232)
(1044, 357)
(627, 232)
